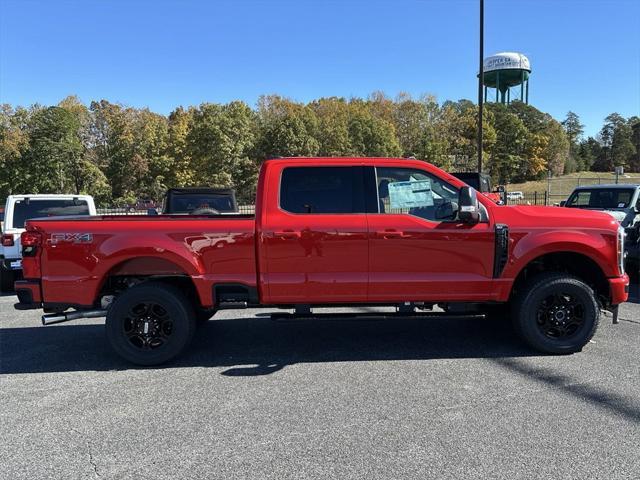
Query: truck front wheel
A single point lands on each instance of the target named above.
(150, 323)
(556, 313)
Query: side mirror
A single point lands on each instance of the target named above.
(468, 212)
(500, 189)
(563, 203)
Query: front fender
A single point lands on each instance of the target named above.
(597, 245)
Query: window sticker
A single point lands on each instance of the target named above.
(412, 194)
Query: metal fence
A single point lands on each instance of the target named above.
(560, 188)
(530, 198)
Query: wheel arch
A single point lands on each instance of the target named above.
(577, 264)
(137, 270)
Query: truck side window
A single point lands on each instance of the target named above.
(322, 190)
(413, 192)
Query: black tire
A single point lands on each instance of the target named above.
(6, 280)
(556, 313)
(150, 323)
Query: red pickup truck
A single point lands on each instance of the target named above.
(327, 232)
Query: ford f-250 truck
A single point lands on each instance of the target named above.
(330, 231)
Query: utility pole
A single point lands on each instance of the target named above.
(480, 83)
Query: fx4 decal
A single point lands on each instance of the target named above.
(71, 237)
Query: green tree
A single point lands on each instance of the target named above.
(114, 139)
(411, 120)
(287, 128)
(622, 148)
(617, 144)
(332, 132)
(85, 175)
(589, 151)
(55, 151)
(371, 136)
(556, 151)
(14, 144)
(508, 162)
(220, 143)
(182, 172)
(574, 130)
(151, 136)
(459, 124)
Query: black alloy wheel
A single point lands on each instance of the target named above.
(556, 313)
(560, 315)
(150, 323)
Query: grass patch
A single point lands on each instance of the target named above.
(565, 184)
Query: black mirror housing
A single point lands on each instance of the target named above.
(563, 203)
(469, 210)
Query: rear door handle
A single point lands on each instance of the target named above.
(287, 234)
(389, 233)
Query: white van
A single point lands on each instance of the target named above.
(19, 209)
(515, 195)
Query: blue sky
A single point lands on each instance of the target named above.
(585, 54)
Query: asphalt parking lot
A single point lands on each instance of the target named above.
(350, 398)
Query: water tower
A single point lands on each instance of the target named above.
(504, 72)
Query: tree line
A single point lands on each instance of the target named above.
(118, 153)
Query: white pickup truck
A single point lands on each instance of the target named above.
(20, 208)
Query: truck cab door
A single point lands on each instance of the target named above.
(314, 237)
(416, 252)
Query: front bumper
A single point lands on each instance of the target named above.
(619, 289)
(28, 292)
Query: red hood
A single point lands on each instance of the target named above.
(556, 217)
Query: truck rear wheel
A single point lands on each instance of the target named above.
(556, 313)
(150, 323)
(6, 280)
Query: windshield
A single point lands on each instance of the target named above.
(189, 203)
(27, 209)
(601, 198)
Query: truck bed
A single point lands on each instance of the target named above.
(79, 253)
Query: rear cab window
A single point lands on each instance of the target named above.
(26, 209)
(322, 190)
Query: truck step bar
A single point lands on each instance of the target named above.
(284, 316)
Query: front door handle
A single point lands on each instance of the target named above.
(389, 233)
(287, 234)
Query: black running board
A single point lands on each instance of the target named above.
(284, 316)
